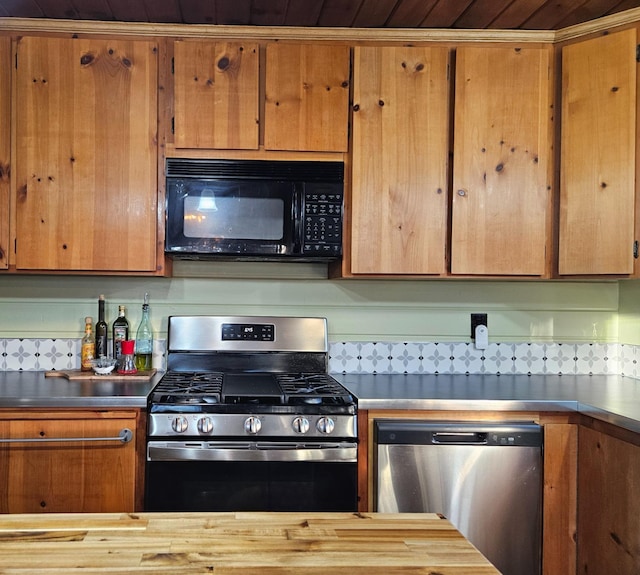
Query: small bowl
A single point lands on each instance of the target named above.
(103, 365)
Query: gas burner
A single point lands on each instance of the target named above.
(312, 388)
(196, 399)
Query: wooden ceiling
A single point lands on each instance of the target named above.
(461, 14)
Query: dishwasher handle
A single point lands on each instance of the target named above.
(459, 438)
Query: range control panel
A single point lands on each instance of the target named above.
(248, 332)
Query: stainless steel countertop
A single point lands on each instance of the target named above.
(33, 389)
(611, 398)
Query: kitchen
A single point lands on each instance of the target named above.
(531, 317)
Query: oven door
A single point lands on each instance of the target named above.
(251, 476)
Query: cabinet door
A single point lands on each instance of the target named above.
(608, 501)
(400, 158)
(5, 146)
(70, 476)
(598, 156)
(502, 204)
(86, 164)
(306, 98)
(216, 86)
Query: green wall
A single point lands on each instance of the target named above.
(629, 312)
(394, 310)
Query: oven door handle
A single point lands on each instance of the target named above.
(340, 452)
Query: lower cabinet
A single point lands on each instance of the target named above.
(69, 461)
(608, 503)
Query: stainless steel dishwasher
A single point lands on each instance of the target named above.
(485, 478)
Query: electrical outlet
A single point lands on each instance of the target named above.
(476, 320)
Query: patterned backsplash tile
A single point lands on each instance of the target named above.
(384, 357)
(497, 358)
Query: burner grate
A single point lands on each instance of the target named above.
(188, 386)
(312, 386)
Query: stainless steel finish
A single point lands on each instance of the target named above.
(252, 425)
(233, 424)
(489, 489)
(125, 436)
(325, 425)
(179, 424)
(251, 451)
(203, 333)
(300, 425)
(205, 425)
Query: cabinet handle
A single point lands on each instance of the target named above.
(462, 193)
(125, 436)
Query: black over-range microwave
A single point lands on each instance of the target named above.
(259, 210)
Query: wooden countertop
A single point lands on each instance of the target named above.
(237, 543)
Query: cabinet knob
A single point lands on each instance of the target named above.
(462, 192)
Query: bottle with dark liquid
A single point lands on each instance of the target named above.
(144, 339)
(120, 332)
(101, 331)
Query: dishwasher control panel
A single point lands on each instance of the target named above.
(403, 432)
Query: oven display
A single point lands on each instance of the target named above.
(248, 332)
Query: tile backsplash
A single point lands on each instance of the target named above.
(384, 357)
(497, 358)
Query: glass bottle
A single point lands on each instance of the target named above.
(144, 339)
(101, 330)
(120, 332)
(88, 345)
(127, 365)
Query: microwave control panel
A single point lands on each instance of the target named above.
(322, 223)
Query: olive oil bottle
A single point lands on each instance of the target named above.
(120, 332)
(144, 339)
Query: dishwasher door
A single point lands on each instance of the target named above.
(484, 478)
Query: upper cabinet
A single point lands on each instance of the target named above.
(501, 197)
(502, 168)
(293, 99)
(306, 97)
(398, 215)
(598, 156)
(5, 147)
(216, 88)
(86, 154)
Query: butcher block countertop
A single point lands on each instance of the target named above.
(237, 544)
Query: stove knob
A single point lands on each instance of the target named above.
(252, 425)
(179, 424)
(325, 425)
(300, 425)
(205, 425)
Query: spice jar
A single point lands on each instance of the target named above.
(127, 364)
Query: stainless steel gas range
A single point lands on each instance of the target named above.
(246, 418)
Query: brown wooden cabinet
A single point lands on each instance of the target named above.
(398, 205)
(608, 503)
(86, 155)
(306, 97)
(5, 147)
(77, 475)
(598, 156)
(502, 162)
(502, 201)
(216, 90)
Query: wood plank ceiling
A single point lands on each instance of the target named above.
(461, 14)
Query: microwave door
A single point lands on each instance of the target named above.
(232, 218)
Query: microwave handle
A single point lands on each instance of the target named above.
(297, 216)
